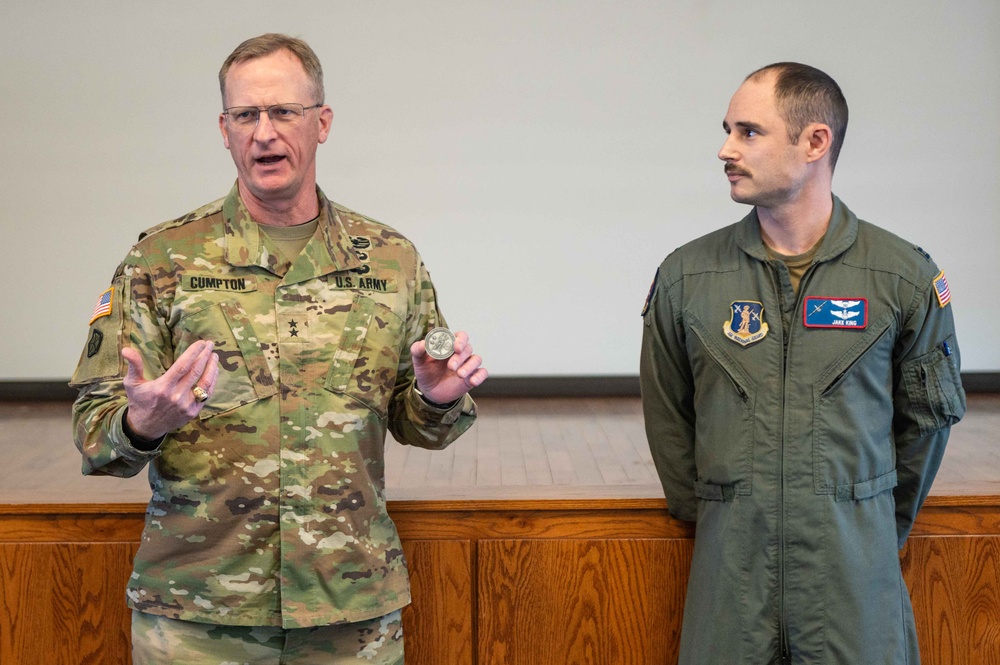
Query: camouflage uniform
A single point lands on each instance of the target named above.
(268, 508)
(157, 640)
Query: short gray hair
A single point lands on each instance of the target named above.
(258, 47)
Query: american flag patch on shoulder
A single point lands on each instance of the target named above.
(103, 307)
(941, 289)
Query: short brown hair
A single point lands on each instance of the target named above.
(258, 47)
(805, 94)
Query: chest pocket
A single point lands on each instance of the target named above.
(365, 364)
(244, 376)
(725, 401)
(852, 413)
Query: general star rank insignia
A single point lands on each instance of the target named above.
(746, 322)
(844, 312)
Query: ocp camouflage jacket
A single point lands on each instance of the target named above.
(269, 508)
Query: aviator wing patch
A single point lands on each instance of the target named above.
(837, 312)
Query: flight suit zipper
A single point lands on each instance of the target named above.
(782, 628)
(784, 644)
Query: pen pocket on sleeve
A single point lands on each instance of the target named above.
(934, 388)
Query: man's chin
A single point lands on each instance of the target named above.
(269, 188)
(741, 197)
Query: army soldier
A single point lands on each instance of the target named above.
(253, 353)
(799, 375)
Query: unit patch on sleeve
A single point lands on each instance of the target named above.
(109, 329)
(94, 343)
(837, 312)
(103, 306)
(941, 289)
(746, 322)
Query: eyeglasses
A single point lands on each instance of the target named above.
(247, 117)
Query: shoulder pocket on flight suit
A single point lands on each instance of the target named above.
(365, 363)
(244, 376)
(934, 388)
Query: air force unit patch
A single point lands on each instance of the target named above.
(843, 312)
(746, 322)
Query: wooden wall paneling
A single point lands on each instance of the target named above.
(958, 516)
(982, 603)
(581, 601)
(438, 624)
(64, 603)
(506, 582)
(17, 623)
(935, 591)
(954, 584)
(578, 519)
(70, 524)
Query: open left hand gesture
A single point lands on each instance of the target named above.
(163, 404)
(444, 381)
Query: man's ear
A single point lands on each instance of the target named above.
(325, 122)
(819, 139)
(225, 132)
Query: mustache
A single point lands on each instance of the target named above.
(732, 169)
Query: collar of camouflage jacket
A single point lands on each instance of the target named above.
(328, 251)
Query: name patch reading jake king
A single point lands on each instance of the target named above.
(844, 312)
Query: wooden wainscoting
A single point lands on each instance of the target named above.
(505, 582)
(539, 538)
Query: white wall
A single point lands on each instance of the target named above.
(544, 156)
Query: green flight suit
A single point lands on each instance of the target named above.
(269, 508)
(802, 452)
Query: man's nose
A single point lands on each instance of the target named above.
(264, 131)
(728, 152)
